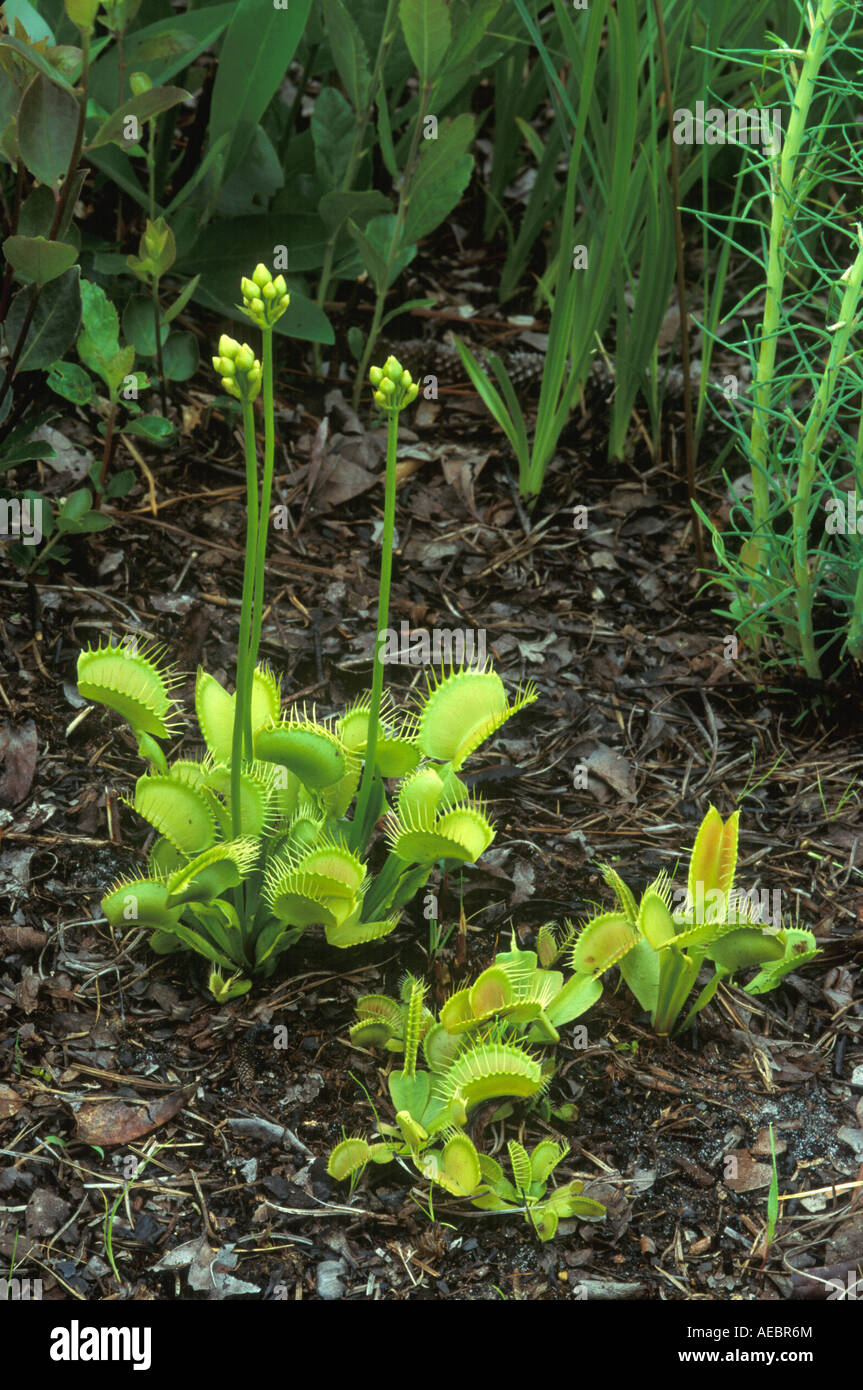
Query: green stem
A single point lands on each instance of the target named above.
(383, 622)
(394, 246)
(781, 221)
(810, 450)
(157, 326)
(242, 700)
(854, 641)
(266, 493)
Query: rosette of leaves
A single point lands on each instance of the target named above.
(528, 1191)
(244, 866)
(660, 951)
(431, 1106)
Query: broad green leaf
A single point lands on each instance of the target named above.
(37, 213)
(427, 30)
(303, 319)
(254, 182)
(55, 322)
(336, 207)
(153, 427)
(349, 53)
(37, 259)
(131, 115)
(77, 504)
(99, 339)
(374, 245)
(443, 170)
(373, 260)
(121, 484)
(230, 246)
(71, 382)
(333, 129)
(139, 327)
(82, 13)
(32, 56)
(161, 50)
(180, 356)
(256, 51)
(29, 18)
(47, 120)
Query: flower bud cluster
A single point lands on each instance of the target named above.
(265, 298)
(394, 387)
(238, 368)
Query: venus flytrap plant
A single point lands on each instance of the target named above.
(473, 1053)
(256, 843)
(660, 951)
(393, 391)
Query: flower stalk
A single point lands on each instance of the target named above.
(393, 389)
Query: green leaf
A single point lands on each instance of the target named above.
(99, 339)
(333, 126)
(135, 110)
(356, 342)
(229, 247)
(47, 120)
(383, 263)
(255, 54)
(29, 18)
(55, 322)
(336, 207)
(82, 13)
(210, 168)
(32, 56)
(427, 30)
(303, 319)
(139, 328)
(349, 53)
(373, 261)
(385, 133)
(75, 514)
(153, 427)
(182, 300)
(121, 484)
(39, 260)
(443, 170)
(71, 382)
(180, 356)
(161, 50)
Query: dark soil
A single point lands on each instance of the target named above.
(637, 680)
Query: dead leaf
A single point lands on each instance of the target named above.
(614, 769)
(46, 1213)
(10, 1102)
(19, 749)
(26, 993)
(748, 1175)
(117, 1122)
(208, 1268)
